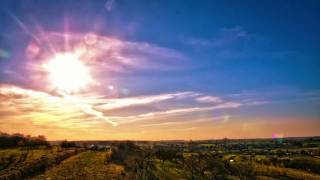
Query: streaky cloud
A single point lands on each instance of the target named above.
(184, 122)
(142, 100)
(161, 114)
(209, 99)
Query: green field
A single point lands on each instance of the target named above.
(128, 160)
(86, 165)
(20, 163)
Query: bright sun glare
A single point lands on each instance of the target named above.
(67, 73)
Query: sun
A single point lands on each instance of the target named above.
(67, 72)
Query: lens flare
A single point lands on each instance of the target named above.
(67, 73)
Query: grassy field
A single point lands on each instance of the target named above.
(127, 160)
(167, 170)
(20, 163)
(279, 172)
(86, 165)
(11, 157)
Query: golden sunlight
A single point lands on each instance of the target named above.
(67, 72)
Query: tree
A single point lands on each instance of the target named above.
(67, 144)
(20, 140)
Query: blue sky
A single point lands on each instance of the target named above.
(263, 55)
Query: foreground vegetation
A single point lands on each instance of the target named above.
(293, 158)
(22, 165)
(20, 140)
(86, 165)
(191, 161)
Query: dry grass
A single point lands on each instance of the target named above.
(87, 165)
(285, 172)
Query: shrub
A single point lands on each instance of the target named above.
(67, 144)
(20, 140)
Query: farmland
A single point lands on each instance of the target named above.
(288, 158)
(87, 165)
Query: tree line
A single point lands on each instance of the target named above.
(20, 140)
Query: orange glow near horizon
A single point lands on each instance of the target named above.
(240, 129)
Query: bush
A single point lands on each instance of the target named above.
(67, 144)
(304, 163)
(33, 167)
(20, 140)
(121, 151)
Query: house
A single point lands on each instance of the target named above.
(99, 147)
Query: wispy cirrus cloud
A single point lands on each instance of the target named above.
(80, 112)
(173, 112)
(209, 99)
(142, 100)
(106, 53)
(284, 94)
(105, 56)
(41, 107)
(170, 123)
(109, 5)
(223, 38)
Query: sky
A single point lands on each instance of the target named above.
(160, 70)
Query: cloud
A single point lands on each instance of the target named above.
(44, 108)
(109, 5)
(184, 122)
(69, 110)
(142, 100)
(102, 55)
(106, 53)
(93, 113)
(15, 76)
(223, 38)
(172, 112)
(88, 108)
(274, 95)
(209, 99)
(64, 110)
(198, 41)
